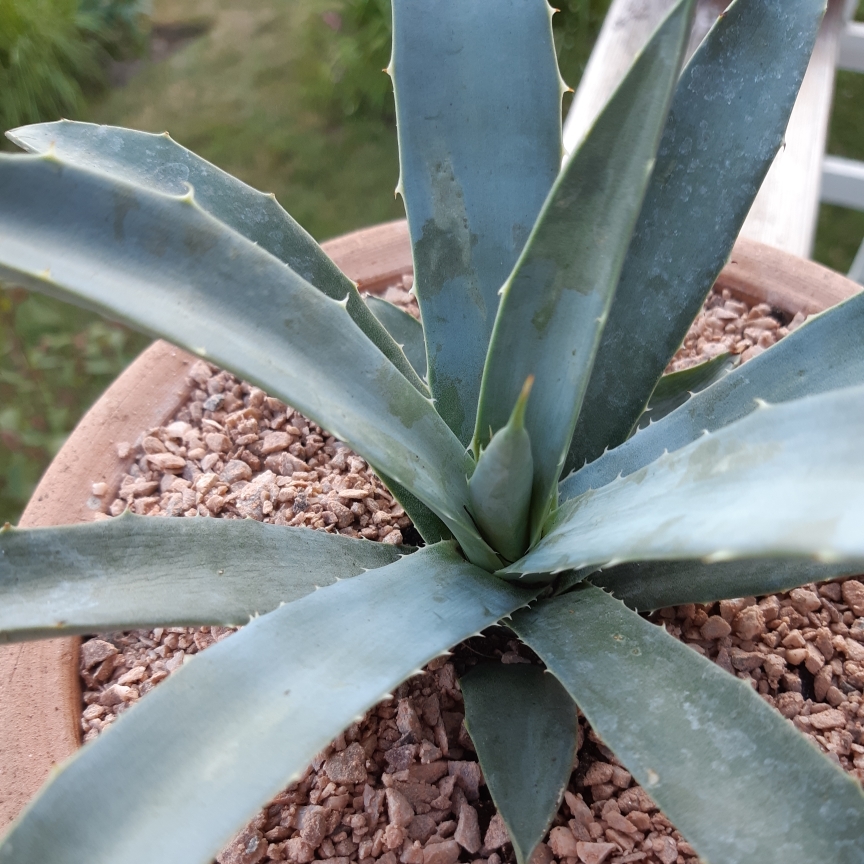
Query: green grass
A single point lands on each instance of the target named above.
(840, 230)
(242, 97)
(55, 361)
(251, 96)
(255, 96)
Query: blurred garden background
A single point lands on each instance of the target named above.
(289, 96)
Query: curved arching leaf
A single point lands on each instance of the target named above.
(725, 126)
(786, 481)
(478, 108)
(179, 773)
(524, 725)
(734, 777)
(674, 389)
(826, 353)
(555, 303)
(647, 585)
(164, 266)
(406, 330)
(159, 163)
(112, 575)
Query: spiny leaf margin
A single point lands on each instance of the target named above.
(674, 719)
(175, 776)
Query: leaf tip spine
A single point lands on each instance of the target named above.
(188, 197)
(50, 155)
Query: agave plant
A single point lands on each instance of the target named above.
(552, 299)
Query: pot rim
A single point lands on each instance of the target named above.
(39, 686)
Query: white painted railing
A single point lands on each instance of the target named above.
(786, 209)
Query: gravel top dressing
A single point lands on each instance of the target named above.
(403, 784)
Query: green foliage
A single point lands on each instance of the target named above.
(524, 727)
(840, 231)
(52, 51)
(53, 359)
(119, 27)
(215, 268)
(44, 61)
(686, 717)
(576, 26)
(361, 50)
(500, 487)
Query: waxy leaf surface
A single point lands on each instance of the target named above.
(798, 466)
(524, 726)
(725, 126)
(112, 575)
(159, 163)
(733, 775)
(555, 303)
(674, 389)
(478, 107)
(405, 329)
(164, 266)
(656, 584)
(824, 354)
(188, 766)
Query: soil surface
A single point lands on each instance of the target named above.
(403, 785)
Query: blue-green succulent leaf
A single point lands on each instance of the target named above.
(157, 162)
(499, 491)
(406, 330)
(185, 768)
(646, 585)
(798, 466)
(164, 266)
(554, 304)
(725, 126)
(826, 353)
(674, 389)
(736, 779)
(112, 575)
(523, 725)
(478, 105)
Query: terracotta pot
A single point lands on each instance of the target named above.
(40, 700)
